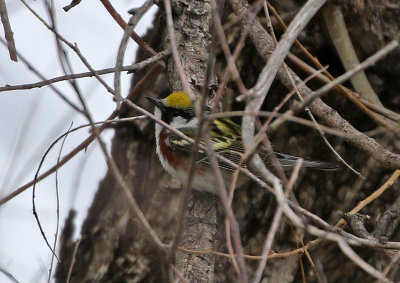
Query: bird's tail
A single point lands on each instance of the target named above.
(291, 161)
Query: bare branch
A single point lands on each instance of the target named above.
(143, 82)
(129, 68)
(8, 31)
(341, 40)
(71, 266)
(263, 42)
(117, 17)
(370, 61)
(360, 262)
(41, 76)
(274, 226)
(341, 89)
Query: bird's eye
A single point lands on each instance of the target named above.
(186, 114)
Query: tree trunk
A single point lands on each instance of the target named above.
(114, 246)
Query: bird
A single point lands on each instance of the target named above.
(174, 152)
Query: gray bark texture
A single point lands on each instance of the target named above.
(192, 23)
(115, 248)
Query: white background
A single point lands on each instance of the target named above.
(31, 119)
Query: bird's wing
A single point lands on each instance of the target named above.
(229, 145)
(226, 140)
(180, 145)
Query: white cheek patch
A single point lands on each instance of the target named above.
(157, 113)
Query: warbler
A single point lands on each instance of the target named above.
(226, 137)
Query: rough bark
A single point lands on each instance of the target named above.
(192, 30)
(115, 249)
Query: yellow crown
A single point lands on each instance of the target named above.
(179, 99)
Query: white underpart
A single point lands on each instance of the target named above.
(164, 162)
(177, 122)
(179, 173)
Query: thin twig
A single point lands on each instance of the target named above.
(262, 131)
(183, 136)
(239, 46)
(322, 134)
(348, 251)
(83, 145)
(268, 73)
(71, 266)
(141, 11)
(8, 274)
(180, 134)
(41, 76)
(230, 69)
(120, 180)
(175, 54)
(376, 194)
(262, 41)
(58, 207)
(117, 17)
(343, 90)
(44, 82)
(296, 26)
(8, 31)
(317, 126)
(186, 189)
(336, 26)
(70, 45)
(340, 89)
(225, 48)
(274, 226)
(35, 214)
(370, 61)
(122, 49)
(356, 209)
(261, 88)
(227, 208)
(62, 53)
(178, 75)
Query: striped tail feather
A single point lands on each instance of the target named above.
(291, 161)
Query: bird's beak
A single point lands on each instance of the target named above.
(156, 101)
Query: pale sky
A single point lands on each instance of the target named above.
(31, 119)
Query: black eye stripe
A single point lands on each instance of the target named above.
(185, 113)
(168, 113)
